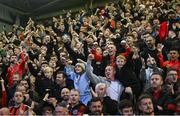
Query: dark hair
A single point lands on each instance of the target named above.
(48, 107)
(94, 99)
(28, 82)
(144, 96)
(61, 72)
(172, 69)
(110, 66)
(44, 62)
(145, 33)
(62, 104)
(174, 49)
(125, 103)
(177, 99)
(54, 55)
(13, 55)
(157, 73)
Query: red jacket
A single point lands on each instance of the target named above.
(173, 107)
(113, 23)
(19, 110)
(4, 99)
(18, 67)
(127, 52)
(170, 64)
(78, 109)
(97, 56)
(163, 31)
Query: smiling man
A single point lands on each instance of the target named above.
(114, 87)
(96, 106)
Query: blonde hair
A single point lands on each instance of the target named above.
(121, 57)
(48, 69)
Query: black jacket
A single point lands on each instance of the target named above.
(74, 56)
(128, 78)
(110, 106)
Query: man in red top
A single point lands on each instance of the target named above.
(173, 61)
(3, 98)
(16, 66)
(75, 106)
(159, 96)
(19, 107)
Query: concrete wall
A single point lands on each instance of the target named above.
(8, 17)
(80, 4)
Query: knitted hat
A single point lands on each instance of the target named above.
(81, 65)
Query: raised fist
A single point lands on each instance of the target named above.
(91, 57)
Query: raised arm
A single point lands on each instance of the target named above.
(4, 94)
(89, 70)
(73, 54)
(69, 70)
(143, 71)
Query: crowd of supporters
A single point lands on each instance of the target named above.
(119, 59)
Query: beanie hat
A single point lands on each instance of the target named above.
(81, 65)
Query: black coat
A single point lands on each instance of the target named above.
(154, 54)
(164, 98)
(128, 78)
(110, 106)
(74, 56)
(58, 88)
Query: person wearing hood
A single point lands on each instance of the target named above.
(81, 80)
